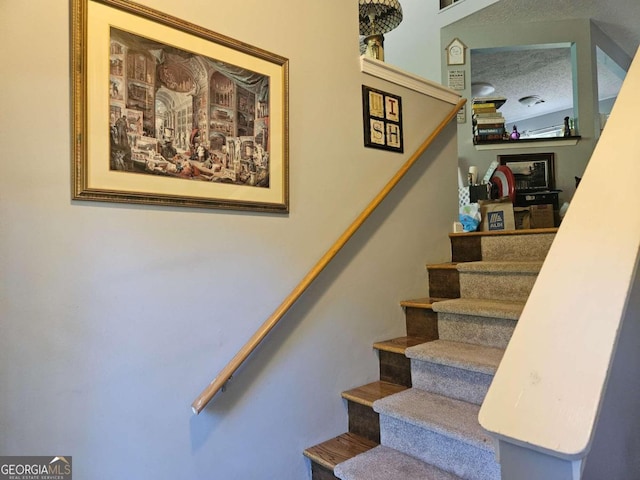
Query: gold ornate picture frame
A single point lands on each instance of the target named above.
(168, 113)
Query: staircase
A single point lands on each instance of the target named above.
(419, 421)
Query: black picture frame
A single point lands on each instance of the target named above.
(382, 120)
(533, 172)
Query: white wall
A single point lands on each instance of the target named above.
(114, 317)
(617, 435)
(415, 44)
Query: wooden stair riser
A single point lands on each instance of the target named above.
(462, 459)
(395, 368)
(363, 421)
(452, 382)
(443, 281)
(421, 322)
(491, 332)
(497, 285)
(466, 248)
(318, 472)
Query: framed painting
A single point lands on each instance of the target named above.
(382, 120)
(533, 172)
(168, 113)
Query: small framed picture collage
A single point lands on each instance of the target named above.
(382, 120)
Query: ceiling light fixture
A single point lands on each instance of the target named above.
(482, 89)
(378, 17)
(530, 100)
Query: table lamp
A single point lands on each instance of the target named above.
(378, 17)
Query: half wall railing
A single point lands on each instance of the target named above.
(546, 405)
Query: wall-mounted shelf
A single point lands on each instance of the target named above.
(528, 143)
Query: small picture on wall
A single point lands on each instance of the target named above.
(382, 120)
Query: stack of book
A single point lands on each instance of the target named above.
(488, 122)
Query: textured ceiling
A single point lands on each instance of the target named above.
(619, 19)
(547, 72)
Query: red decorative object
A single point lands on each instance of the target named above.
(505, 182)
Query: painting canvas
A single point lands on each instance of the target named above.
(177, 115)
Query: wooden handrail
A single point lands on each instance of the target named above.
(225, 374)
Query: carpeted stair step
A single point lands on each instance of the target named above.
(498, 280)
(479, 321)
(384, 463)
(521, 246)
(438, 430)
(530, 244)
(457, 370)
